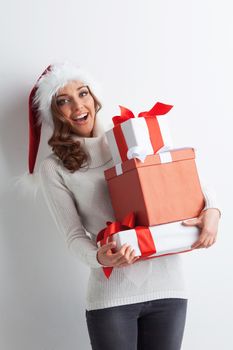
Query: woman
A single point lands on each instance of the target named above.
(142, 305)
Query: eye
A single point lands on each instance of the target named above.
(83, 93)
(62, 101)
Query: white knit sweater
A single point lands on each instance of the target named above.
(80, 206)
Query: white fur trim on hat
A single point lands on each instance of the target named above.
(57, 77)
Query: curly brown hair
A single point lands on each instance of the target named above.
(70, 152)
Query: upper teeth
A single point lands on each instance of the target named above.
(80, 116)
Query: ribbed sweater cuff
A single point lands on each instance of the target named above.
(89, 257)
(92, 259)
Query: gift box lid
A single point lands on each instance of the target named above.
(174, 155)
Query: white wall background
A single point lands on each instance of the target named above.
(177, 52)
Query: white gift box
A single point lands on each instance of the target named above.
(168, 238)
(137, 138)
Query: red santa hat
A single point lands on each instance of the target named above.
(54, 77)
(51, 80)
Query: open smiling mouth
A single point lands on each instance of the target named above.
(81, 118)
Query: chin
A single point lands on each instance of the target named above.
(83, 132)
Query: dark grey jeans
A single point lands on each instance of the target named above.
(151, 325)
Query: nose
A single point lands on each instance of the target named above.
(77, 104)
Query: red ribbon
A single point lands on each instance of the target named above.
(158, 109)
(145, 239)
(156, 138)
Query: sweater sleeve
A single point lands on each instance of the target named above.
(210, 199)
(62, 206)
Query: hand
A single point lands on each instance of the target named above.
(125, 256)
(208, 223)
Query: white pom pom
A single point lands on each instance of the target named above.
(27, 184)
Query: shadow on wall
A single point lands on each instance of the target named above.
(13, 132)
(40, 296)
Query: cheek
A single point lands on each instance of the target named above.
(65, 111)
(92, 109)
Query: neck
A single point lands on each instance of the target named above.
(96, 145)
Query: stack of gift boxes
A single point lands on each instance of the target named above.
(153, 187)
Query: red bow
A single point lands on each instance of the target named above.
(146, 243)
(158, 109)
(116, 226)
(110, 229)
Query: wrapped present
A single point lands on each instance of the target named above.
(167, 239)
(165, 188)
(149, 242)
(137, 137)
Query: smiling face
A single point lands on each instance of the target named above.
(78, 107)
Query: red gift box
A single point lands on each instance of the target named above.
(163, 189)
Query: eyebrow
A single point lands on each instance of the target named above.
(76, 89)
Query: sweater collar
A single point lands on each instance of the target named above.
(96, 146)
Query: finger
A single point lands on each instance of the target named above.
(201, 239)
(132, 259)
(107, 247)
(191, 222)
(206, 237)
(131, 256)
(196, 245)
(209, 242)
(203, 242)
(135, 259)
(206, 242)
(200, 243)
(128, 257)
(213, 240)
(120, 255)
(125, 258)
(129, 263)
(128, 253)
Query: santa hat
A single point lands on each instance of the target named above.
(52, 79)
